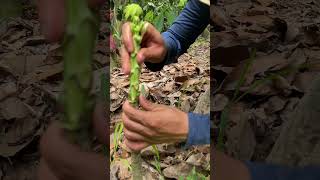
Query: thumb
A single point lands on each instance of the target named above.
(146, 105)
(151, 54)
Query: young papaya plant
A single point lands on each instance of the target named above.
(133, 13)
(81, 31)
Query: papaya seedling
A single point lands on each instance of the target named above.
(81, 31)
(133, 13)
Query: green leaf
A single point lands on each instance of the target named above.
(149, 16)
(158, 22)
(126, 163)
(156, 151)
(182, 3)
(171, 16)
(247, 66)
(132, 10)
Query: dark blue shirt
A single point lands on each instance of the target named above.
(275, 172)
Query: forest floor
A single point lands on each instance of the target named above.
(30, 84)
(285, 34)
(255, 94)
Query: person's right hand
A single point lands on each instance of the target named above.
(152, 47)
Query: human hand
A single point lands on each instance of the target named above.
(152, 47)
(62, 160)
(52, 17)
(154, 125)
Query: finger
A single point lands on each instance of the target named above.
(132, 136)
(127, 38)
(100, 123)
(135, 114)
(135, 146)
(44, 172)
(125, 58)
(137, 128)
(52, 18)
(151, 32)
(68, 161)
(147, 105)
(132, 125)
(153, 53)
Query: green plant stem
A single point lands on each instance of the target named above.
(133, 14)
(81, 30)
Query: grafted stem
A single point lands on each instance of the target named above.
(81, 30)
(133, 14)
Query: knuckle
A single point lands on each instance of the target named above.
(136, 148)
(128, 135)
(150, 133)
(153, 124)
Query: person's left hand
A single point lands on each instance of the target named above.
(154, 125)
(52, 17)
(62, 160)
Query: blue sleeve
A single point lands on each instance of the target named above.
(275, 172)
(199, 130)
(191, 22)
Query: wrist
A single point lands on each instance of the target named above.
(185, 126)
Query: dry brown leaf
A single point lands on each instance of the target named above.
(35, 40)
(42, 73)
(185, 105)
(13, 108)
(265, 2)
(197, 160)
(218, 102)
(19, 136)
(260, 10)
(303, 80)
(261, 20)
(238, 8)
(275, 104)
(175, 171)
(218, 16)
(13, 64)
(17, 35)
(241, 140)
(169, 86)
(7, 89)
